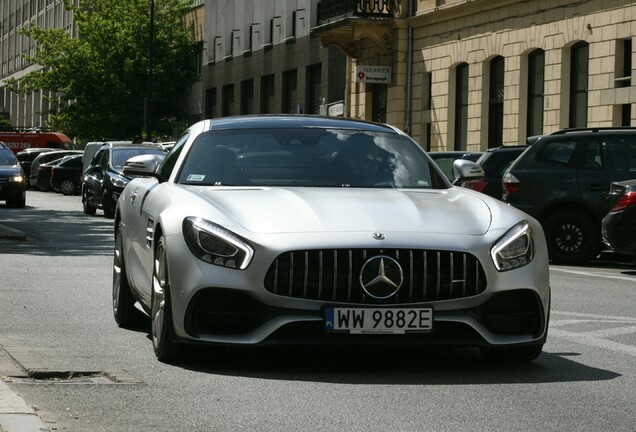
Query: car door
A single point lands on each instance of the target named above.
(94, 176)
(605, 159)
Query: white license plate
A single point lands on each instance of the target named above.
(378, 320)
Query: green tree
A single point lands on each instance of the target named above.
(101, 75)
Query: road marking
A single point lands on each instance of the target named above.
(584, 273)
(595, 338)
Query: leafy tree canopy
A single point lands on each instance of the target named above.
(101, 76)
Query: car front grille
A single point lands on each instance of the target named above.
(333, 275)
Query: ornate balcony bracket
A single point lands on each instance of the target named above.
(348, 36)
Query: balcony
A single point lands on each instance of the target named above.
(344, 23)
(330, 11)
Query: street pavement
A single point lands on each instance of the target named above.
(15, 414)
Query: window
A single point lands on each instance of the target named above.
(228, 100)
(558, 151)
(290, 93)
(536, 79)
(578, 84)
(247, 97)
(314, 89)
(461, 107)
(210, 103)
(495, 103)
(267, 95)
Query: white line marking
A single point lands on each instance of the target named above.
(626, 320)
(615, 331)
(594, 342)
(583, 273)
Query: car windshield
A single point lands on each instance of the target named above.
(121, 155)
(7, 157)
(308, 157)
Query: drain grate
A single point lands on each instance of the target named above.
(74, 377)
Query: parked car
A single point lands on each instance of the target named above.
(619, 225)
(27, 156)
(445, 159)
(44, 158)
(44, 174)
(103, 180)
(563, 180)
(12, 180)
(494, 162)
(302, 229)
(66, 175)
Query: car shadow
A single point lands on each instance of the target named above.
(386, 365)
(56, 233)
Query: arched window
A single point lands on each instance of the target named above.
(496, 103)
(579, 57)
(536, 79)
(461, 107)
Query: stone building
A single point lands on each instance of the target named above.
(474, 74)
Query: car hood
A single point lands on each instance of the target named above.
(289, 210)
(7, 170)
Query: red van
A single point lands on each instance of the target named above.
(18, 139)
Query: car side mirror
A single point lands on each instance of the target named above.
(466, 171)
(143, 166)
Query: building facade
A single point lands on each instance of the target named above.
(474, 74)
(15, 15)
(261, 58)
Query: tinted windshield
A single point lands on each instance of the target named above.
(308, 157)
(7, 157)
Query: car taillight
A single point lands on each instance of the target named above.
(624, 201)
(477, 185)
(510, 184)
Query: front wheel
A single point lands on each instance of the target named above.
(162, 328)
(68, 187)
(108, 205)
(88, 208)
(572, 236)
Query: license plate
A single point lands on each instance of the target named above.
(378, 320)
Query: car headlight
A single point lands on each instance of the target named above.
(18, 178)
(515, 249)
(215, 245)
(119, 182)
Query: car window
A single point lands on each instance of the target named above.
(7, 157)
(308, 157)
(620, 153)
(121, 155)
(165, 170)
(558, 151)
(595, 155)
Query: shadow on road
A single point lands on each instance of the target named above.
(57, 233)
(415, 366)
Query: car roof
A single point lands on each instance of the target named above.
(297, 120)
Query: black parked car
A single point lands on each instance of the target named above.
(563, 180)
(44, 174)
(44, 158)
(494, 162)
(619, 225)
(66, 175)
(27, 156)
(103, 180)
(12, 179)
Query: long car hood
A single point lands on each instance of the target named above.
(289, 210)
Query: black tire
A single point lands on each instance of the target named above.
(573, 237)
(162, 327)
(108, 205)
(124, 311)
(68, 187)
(16, 202)
(88, 208)
(520, 354)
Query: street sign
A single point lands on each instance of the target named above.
(373, 74)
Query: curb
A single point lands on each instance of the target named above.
(16, 415)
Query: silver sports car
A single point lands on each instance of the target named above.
(302, 229)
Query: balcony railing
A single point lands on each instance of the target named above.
(335, 10)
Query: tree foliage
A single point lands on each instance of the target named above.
(101, 76)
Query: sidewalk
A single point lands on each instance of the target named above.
(16, 415)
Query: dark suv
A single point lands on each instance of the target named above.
(563, 180)
(103, 181)
(12, 179)
(494, 162)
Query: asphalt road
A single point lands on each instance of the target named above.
(62, 354)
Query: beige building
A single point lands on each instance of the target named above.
(474, 74)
